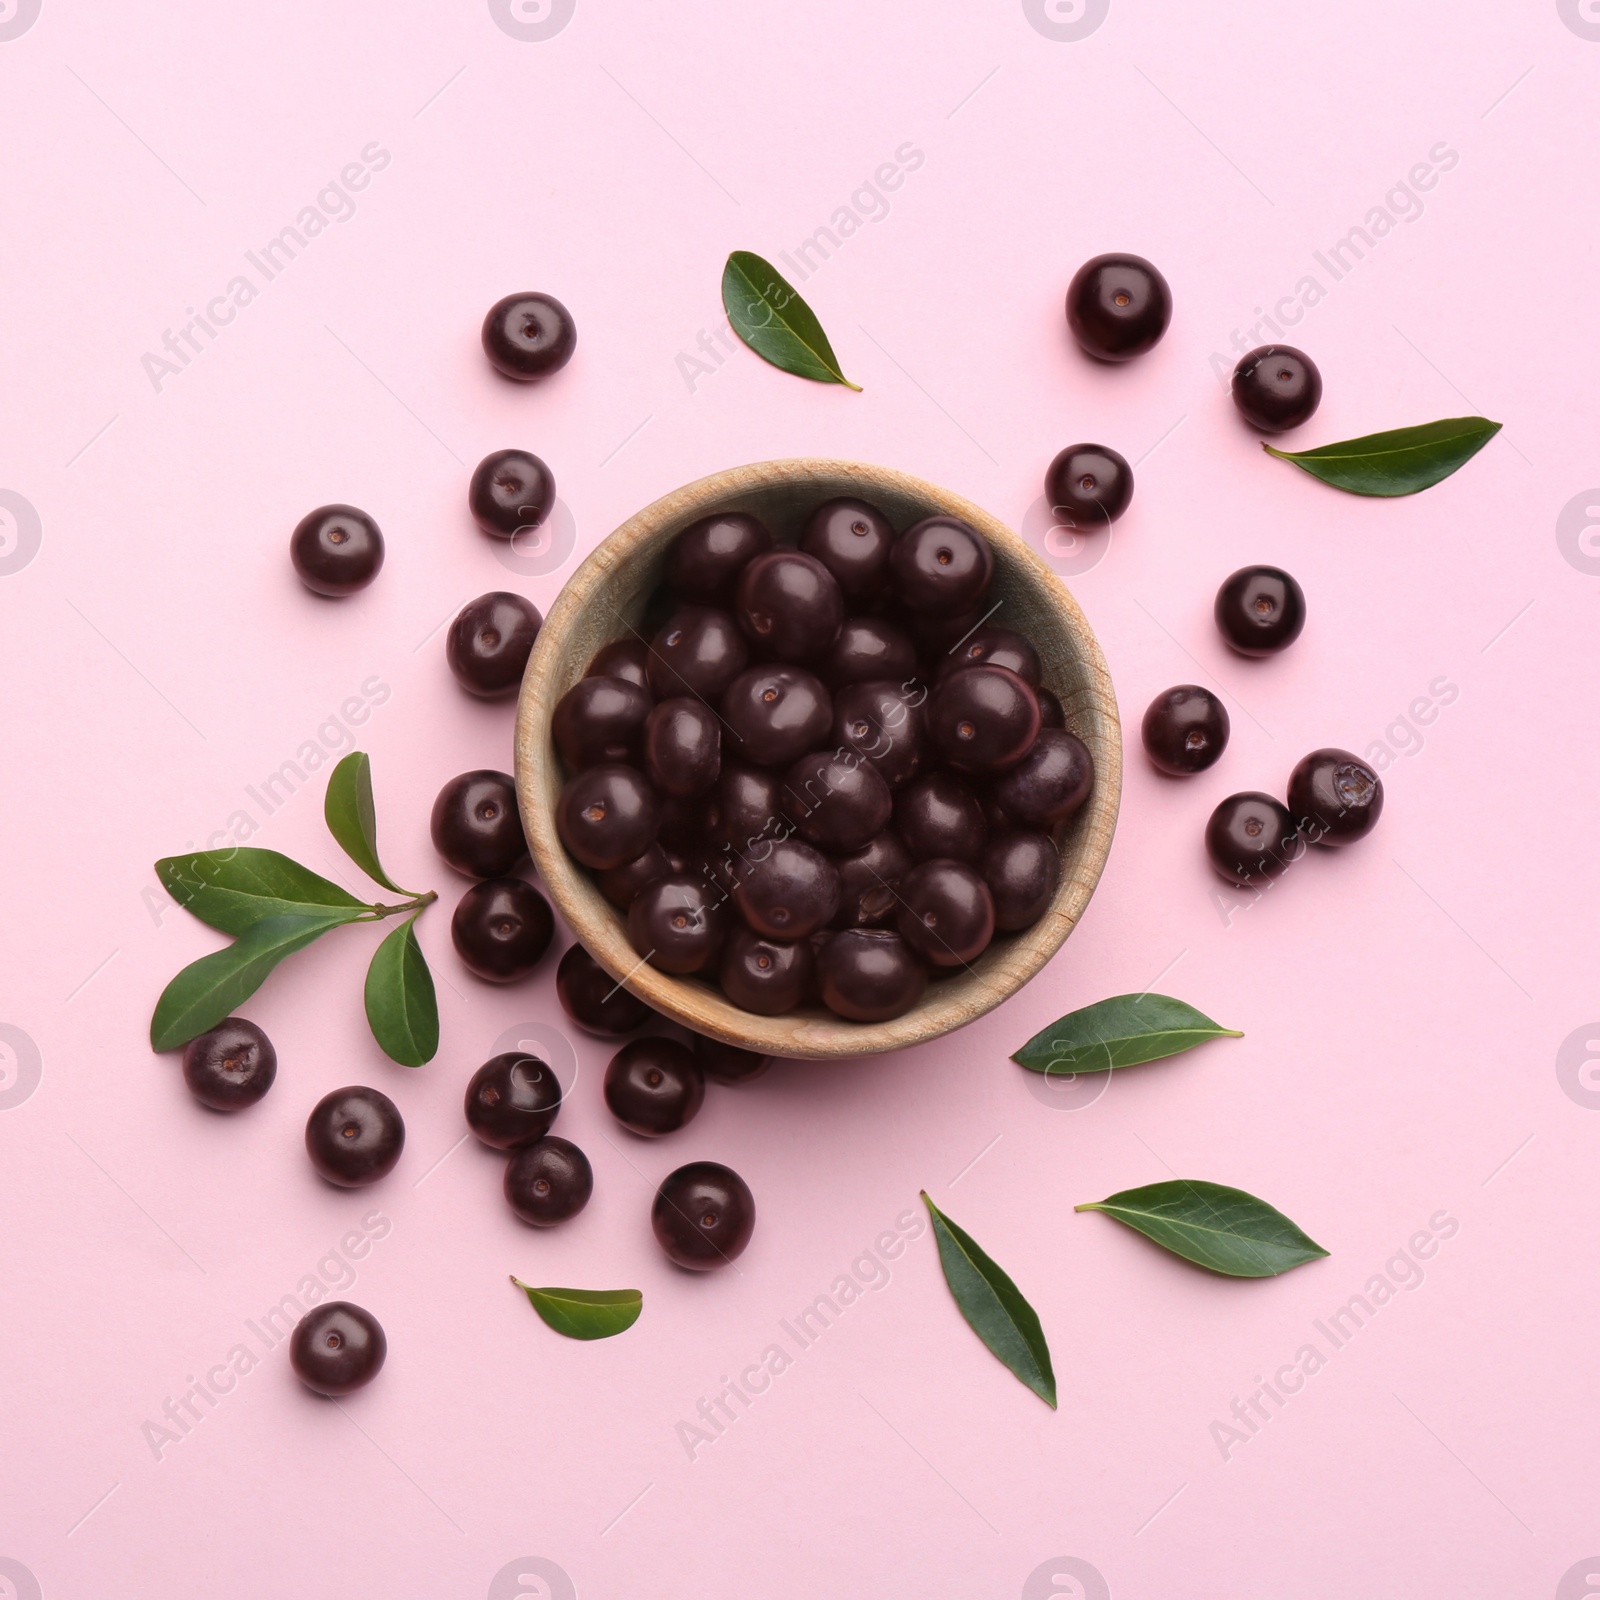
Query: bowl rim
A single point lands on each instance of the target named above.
(813, 1033)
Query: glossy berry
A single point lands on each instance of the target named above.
(1050, 713)
(548, 1182)
(501, 929)
(868, 880)
(594, 999)
(1334, 797)
(749, 808)
(621, 885)
(940, 567)
(870, 975)
(868, 649)
(1260, 610)
(354, 1136)
(851, 539)
(476, 827)
(511, 491)
(706, 559)
(945, 913)
(727, 1063)
(337, 1348)
(786, 890)
(1049, 783)
(608, 815)
(654, 1086)
(994, 647)
(676, 923)
(1276, 388)
(511, 1100)
(528, 336)
(1118, 306)
(937, 815)
(336, 550)
(600, 720)
(230, 1066)
(1185, 730)
(1088, 486)
(628, 659)
(983, 719)
(767, 976)
(789, 606)
(683, 746)
(774, 714)
(698, 651)
(1251, 838)
(703, 1215)
(883, 723)
(838, 801)
(1022, 869)
(489, 643)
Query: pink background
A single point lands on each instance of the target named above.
(1404, 1003)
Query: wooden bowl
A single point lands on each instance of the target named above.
(606, 597)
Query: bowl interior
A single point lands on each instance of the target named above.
(608, 598)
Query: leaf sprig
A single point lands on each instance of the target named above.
(274, 906)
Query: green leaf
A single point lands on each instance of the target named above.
(768, 314)
(351, 820)
(1401, 461)
(1120, 1032)
(209, 989)
(1213, 1226)
(993, 1306)
(235, 889)
(585, 1313)
(402, 1010)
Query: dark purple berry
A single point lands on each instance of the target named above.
(1260, 610)
(1118, 306)
(476, 827)
(1088, 486)
(501, 929)
(337, 1348)
(789, 606)
(528, 336)
(1049, 783)
(230, 1066)
(706, 559)
(336, 550)
(511, 1100)
(548, 1182)
(1185, 730)
(654, 1086)
(594, 999)
(870, 975)
(608, 815)
(945, 913)
(511, 491)
(940, 567)
(703, 1215)
(354, 1136)
(1276, 388)
(1251, 838)
(1334, 797)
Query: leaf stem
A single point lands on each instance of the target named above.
(417, 904)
